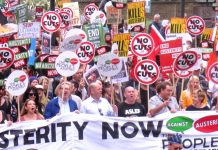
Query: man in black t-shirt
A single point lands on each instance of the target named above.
(130, 107)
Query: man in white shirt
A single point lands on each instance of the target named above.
(163, 101)
(95, 104)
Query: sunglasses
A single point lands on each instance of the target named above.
(31, 94)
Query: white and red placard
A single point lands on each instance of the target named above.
(195, 25)
(98, 17)
(146, 71)
(71, 43)
(5, 7)
(213, 73)
(67, 63)
(65, 19)
(142, 45)
(6, 58)
(89, 10)
(78, 32)
(86, 52)
(68, 10)
(17, 83)
(181, 74)
(186, 60)
(51, 21)
(169, 50)
(109, 65)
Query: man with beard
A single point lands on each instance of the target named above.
(130, 107)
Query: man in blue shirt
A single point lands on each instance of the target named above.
(59, 104)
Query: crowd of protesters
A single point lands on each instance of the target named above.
(46, 97)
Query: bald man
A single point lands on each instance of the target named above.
(95, 104)
(130, 107)
(156, 22)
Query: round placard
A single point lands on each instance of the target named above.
(109, 65)
(51, 21)
(195, 25)
(17, 83)
(142, 45)
(146, 72)
(67, 63)
(86, 52)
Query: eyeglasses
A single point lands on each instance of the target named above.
(31, 94)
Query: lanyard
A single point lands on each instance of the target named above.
(163, 102)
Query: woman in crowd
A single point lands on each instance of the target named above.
(186, 98)
(42, 98)
(198, 99)
(29, 111)
(5, 105)
(33, 81)
(32, 93)
(44, 81)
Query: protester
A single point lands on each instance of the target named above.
(130, 107)
(29, 111)
(198, 98)
(78, 77)
(95, 104)
(186, 98)
(124, 29)
(77, 99)
(174, 142)
(156, 22)
(61, 104)
(33, 81)
(163, 101)
(5, 104)
(32, 93)
(42, 98)
(45, 82)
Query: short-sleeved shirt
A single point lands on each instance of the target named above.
(131, 110)
(156, 101)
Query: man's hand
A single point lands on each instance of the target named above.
(166, 103)
(173, 110)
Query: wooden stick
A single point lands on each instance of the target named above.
(148, 95)
(48, 89)
(174, 87)
(195, 41)
(18, 106)
(112, 93)
(62, 95)
(120, 90)
(181, 102)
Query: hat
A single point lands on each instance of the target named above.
(204, 85)
(33, 78)
(38, 86)
(175, 138)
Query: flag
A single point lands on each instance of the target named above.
(158, 39)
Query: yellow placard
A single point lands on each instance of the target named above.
(206, 34)
(136, 14)
(59, 3)
(178, 25)
(122, 41)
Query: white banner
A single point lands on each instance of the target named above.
(81, 132)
